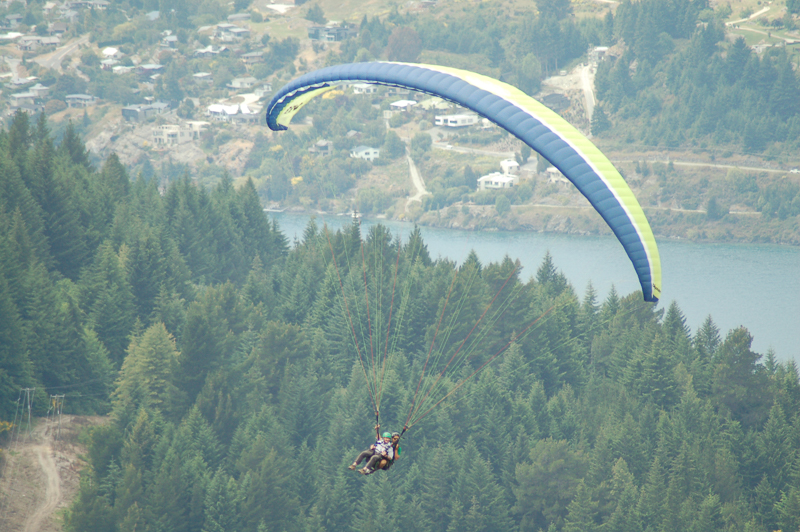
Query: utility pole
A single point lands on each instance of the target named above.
(29, 403)
(57, 405)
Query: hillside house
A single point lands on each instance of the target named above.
(459, 120)
(13, 20)
(263, 90)
(210, 51)
(80, 100)
(555, 176)
(29, 43)
(205, 78)
(365, 152)
(29, 109)
(497, 181)
(330, 33)
(240, 34)
(239, 17)
(149, 69)
(57, 28)
(140, 113)
(40, 90)
(242, 83)
(22, 98)
(402, 105)
(323, 148)
(365, 88)
(172, 134)
(252, 58)
(509, 167)
(170, 41)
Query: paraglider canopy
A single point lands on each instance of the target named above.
(532, 122)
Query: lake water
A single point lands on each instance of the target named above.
(757, 286)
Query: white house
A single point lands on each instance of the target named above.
(509, 167)
(555, 176)
(242, 83)
(365, 152)
(364, 88)
(461, 120)
(171, 134)
(402, 105)
(263, 90)
(496, 180)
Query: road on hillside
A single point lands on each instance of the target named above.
(53, 60)
(419, 185)
(751, 17)
(52, 495)
(587, 84)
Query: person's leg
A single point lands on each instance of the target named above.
(361, 457)
(370, 467)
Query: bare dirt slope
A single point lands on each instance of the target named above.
(40, 476)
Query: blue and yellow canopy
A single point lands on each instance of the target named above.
(539, 127)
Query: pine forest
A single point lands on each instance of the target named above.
(241, 372)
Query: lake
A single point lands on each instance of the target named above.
(757, 286)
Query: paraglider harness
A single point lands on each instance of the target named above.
(385, 463)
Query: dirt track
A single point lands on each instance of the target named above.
(41, 476)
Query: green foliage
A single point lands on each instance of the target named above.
(315, 14)
(242, 397)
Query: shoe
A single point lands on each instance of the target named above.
(364, 471)
(352, 466)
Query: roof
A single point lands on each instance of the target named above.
(361, 149)
(403, 103)
(496, 176)
(80, 97)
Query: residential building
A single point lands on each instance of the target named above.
(402, 105)
(170, 41)
(510, 167)
(30, 109)
(251, 58)
(13, 20)
(330, 33)
(149, 69)
(171, 134)
(460, 120)
(23, 98)
(231, 113)
(239, 34)
(365, 152)
(57, 28)
(555, 176)
(39, 90)
(239, 17)
(203, 77)
(210, 51)
(496, 180)
(139, 113)
(365, 88)
(323, 148)
(263, 90)
(80, 100)
(242, 83)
